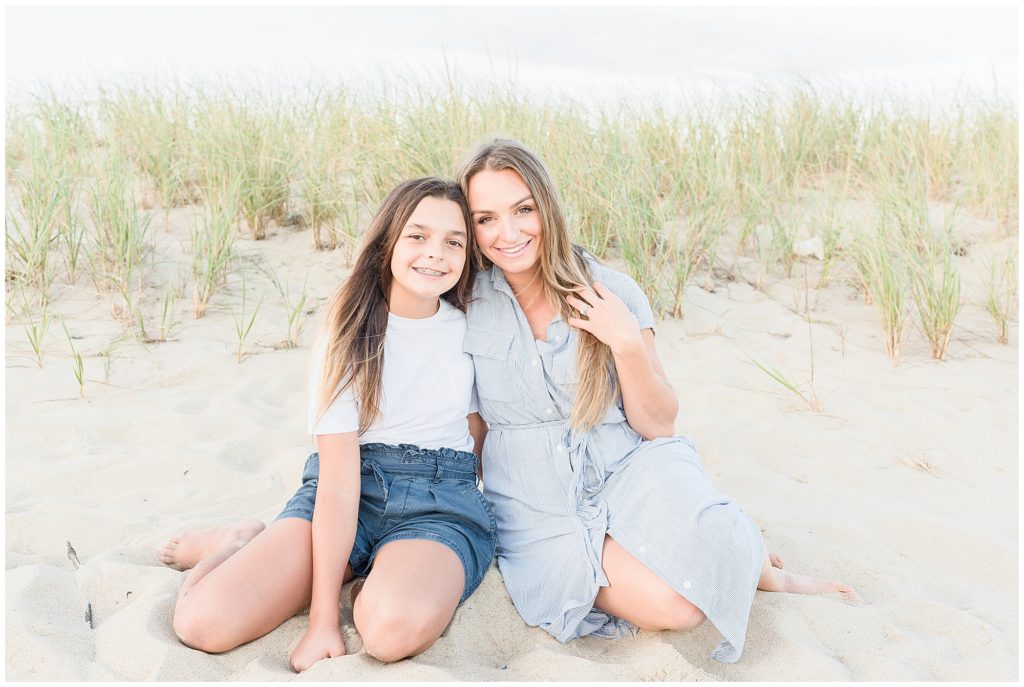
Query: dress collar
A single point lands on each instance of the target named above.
(499, 282)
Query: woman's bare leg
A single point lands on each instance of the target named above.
(236, 593)
(775, 579)
(636, 594)
(408, 598)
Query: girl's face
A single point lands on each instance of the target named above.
(506, 223)
(428, 257)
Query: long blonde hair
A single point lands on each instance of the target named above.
(563, 271)
(357, 316)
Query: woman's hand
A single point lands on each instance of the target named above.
(317, 643)
(607, 318)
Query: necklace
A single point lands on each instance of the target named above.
(525, 289)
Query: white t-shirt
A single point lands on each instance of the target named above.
(427, 386)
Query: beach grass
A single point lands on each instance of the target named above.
(119, 241)
(213, 238)
(1002, 290)
(883, 272)
(671, 191)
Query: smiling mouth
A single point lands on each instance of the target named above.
(429, 273)
(516, 250)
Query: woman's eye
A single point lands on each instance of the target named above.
(484, 220)
(524, 209)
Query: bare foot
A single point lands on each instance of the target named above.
(775, 579)
(183, 551)
(781, 581)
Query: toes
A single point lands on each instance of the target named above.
(776, 560)
(167, 551)
(850, 596)
(164, 552)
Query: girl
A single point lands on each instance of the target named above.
(392, 491)
(605, 519)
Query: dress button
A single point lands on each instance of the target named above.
(686, 584)
(642, 549)
(547, 411)
(560, 448)
(534, 362)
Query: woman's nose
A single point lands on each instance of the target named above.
(509, 231)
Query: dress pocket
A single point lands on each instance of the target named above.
(496, 373)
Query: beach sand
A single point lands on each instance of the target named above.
(904, 486)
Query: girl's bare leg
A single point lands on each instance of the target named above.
(184, 551)
(641, 597)
(408, 598)
(240, 591)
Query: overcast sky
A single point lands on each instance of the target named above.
(580, 50)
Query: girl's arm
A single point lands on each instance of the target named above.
(647, 399)
(334, 529)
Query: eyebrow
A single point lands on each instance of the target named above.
(424, 227)
(518, 202)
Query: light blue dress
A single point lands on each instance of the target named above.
(556, 493)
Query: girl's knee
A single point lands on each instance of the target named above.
(391, 632)
(198, 632)
(190, 629)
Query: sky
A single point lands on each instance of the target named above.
(587, 52)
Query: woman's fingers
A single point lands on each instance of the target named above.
(580, 324)
(602, 291)
(577, 303)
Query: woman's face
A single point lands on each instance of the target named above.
(430, 254)
(506, 223)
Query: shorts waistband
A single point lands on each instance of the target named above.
(398, 455)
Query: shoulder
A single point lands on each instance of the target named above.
(448, 315)
(483, 284)
(620, 283)
(625, 287)
(487, 307)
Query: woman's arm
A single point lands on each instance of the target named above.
(334, 529)
(647, 399)
(478, 430)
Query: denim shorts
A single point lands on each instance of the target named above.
(409, 492)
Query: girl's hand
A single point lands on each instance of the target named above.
(317, 643)
(607, 318)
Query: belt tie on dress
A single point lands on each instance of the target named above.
(590, 508)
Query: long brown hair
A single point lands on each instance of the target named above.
(357, 316)
(563, 271)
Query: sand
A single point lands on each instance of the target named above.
(905, 486)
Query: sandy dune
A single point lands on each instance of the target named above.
(905, 486)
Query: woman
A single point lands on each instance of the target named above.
(394, 482)
(605, 519)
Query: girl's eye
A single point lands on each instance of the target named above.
(415, 236)
(455, 244)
